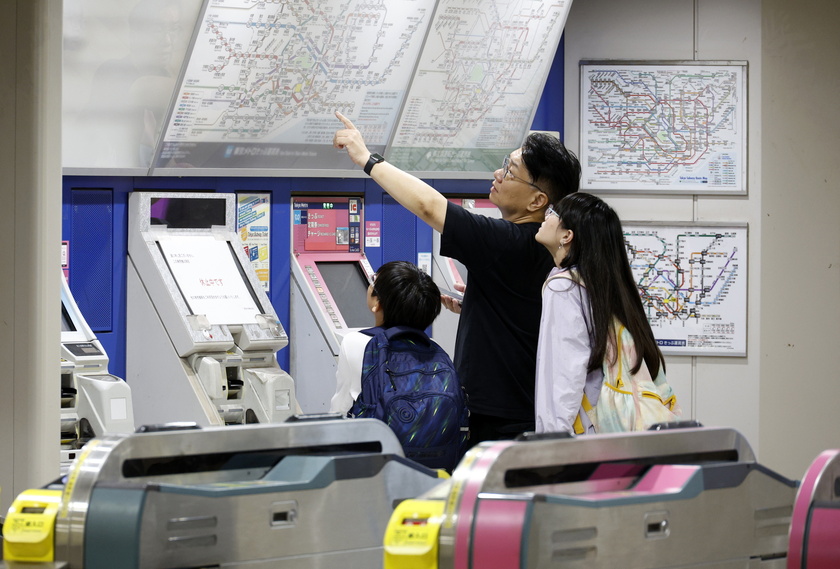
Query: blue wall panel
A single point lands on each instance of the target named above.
(399, 231)
(92, 255)
(549, 113)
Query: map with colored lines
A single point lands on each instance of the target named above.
(435, 85)
(693, 283)
(677, 128)
(478, 83)
(264, 79)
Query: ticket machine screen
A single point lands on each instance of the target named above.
(348, 285)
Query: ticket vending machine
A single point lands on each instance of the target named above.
(202, 335)
(94, 403)
(446, 271)
(330, 277)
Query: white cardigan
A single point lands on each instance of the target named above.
(563, 353)
(348, 375)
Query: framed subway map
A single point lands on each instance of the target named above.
(664, 127)
(693, 282)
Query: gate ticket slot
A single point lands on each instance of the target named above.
(94, 403)
(330, 277)
(202, 333)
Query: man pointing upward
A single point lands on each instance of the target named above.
(496, 343)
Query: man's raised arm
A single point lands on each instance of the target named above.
(411, 192)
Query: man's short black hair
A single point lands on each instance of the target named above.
(407, 295)
(553, 167)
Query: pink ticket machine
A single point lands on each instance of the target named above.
(330, 276)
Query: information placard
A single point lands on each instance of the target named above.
(209, 279)
(253, 223)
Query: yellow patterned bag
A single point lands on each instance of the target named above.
(628, 401)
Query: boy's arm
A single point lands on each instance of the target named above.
(411, 192)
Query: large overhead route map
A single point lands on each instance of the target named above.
(677, 128)
(693, 283)
(477, 84)
(264, 78)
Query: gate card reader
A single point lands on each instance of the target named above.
(202, 335)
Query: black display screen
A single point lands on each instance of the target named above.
(66, 322)
(188, 213)
(348, 285)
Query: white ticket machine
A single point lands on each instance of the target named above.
(330, 277)
(447, 271)
(94, 403)
(202, 335)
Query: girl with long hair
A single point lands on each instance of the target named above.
(592, 321)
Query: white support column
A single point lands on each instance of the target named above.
(30, 234)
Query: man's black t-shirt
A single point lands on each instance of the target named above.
(496, 345)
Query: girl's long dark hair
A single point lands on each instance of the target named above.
(599, 254)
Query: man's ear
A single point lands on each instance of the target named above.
(540, 201)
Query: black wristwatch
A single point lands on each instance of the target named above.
(373, 161)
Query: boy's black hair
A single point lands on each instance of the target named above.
(407, 295)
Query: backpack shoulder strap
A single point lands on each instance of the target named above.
(571, 275)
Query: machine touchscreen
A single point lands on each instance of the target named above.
(348, 285)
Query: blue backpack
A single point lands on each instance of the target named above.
(409, 382)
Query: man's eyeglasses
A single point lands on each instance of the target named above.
(507, 172)
(550, 211)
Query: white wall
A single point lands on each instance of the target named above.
(772, 394)
(800, 243)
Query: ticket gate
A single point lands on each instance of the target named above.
(306, 493)
(692, 497)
